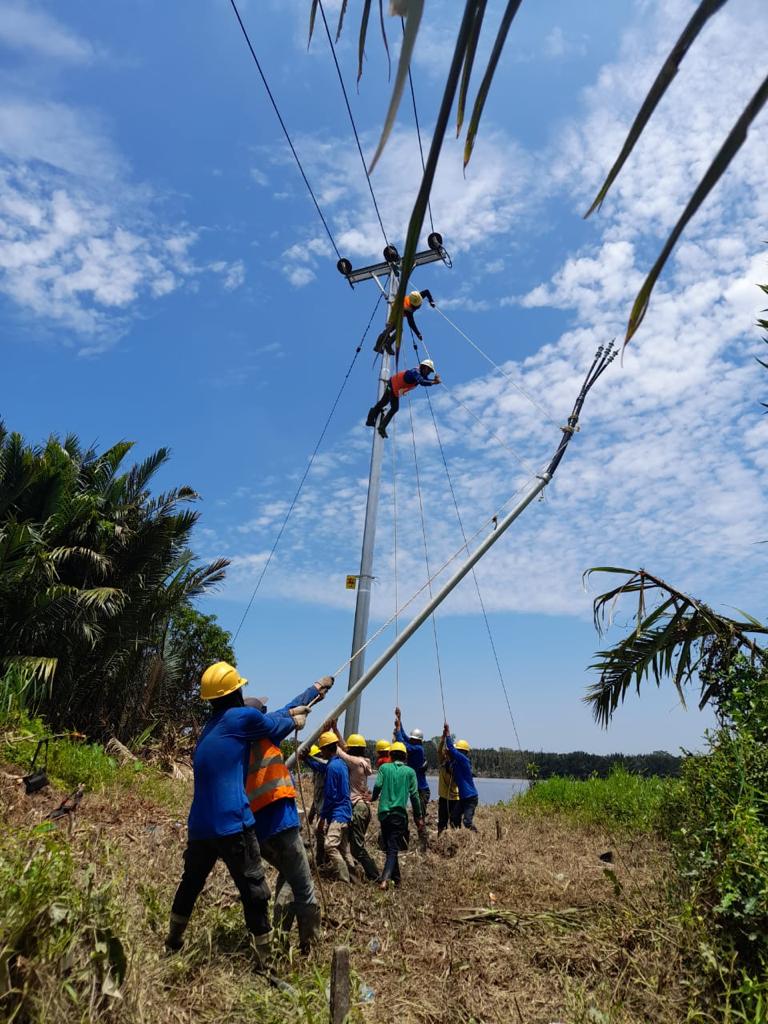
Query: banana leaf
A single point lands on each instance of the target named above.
(671, 66)
(717, 168)
(413, 20)
(485, 85)
(469, 60)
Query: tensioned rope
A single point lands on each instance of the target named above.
(285, 130)
(426, 560)
(312, 457)
(394, 527)
(418, 132)
(474, 572)
(501, 370)
(352, 121)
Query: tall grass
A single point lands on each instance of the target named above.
(623, 800)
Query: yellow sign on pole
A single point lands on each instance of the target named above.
(351, 582)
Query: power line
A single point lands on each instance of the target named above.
(312, 457)
(282, 125)
(352, 121)
(418, 132)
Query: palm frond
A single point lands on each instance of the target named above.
(717, 168)
(342, 12)
(469, 60)
(363, 33)
(670, 642)
(485, 85)
(412, 22)
(661, 83)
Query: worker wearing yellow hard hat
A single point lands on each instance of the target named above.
(272, 799)
(448, 803)
(411, 303)
(395, 787)
(337, 804)
(382, 753)
(459, 752)
(354, 754)
(221, 824)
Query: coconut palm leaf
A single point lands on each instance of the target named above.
(312, 16)
(422, 199)
(415, 9)
(728, 150)
(363, 33)
(469, 60)
(485, 85)
(679, 638)
(384, 38)
(663, 80)
(342, 12)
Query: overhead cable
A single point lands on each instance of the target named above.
(312, 457)
(285, 130)
(418, 132)
(352, 121)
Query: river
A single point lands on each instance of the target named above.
(490, 791)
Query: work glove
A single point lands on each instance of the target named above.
(299, 715)
(323, 685)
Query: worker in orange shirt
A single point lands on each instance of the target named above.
(411, 303)
(400, 384)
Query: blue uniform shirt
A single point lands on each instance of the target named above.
(416, 758)
(462, 771)
(337, 802)
(282, 814)
(219, 805)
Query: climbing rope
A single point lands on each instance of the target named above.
(501, 370)
(426, 559)
(394, 528)
(312, 458)
(474, 573)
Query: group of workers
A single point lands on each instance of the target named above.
(406, 380)
(244, 809)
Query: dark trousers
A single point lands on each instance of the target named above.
(448, 813)
(467, 807)
(385, 340)
(361, 819)
(240, 853)
(389, 398)
(394, 833)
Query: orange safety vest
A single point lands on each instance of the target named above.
(398, 384)
(268, 779)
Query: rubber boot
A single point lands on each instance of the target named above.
(174, 940)
(308, 920)
(371, 421)
(262, 951)
(383, 432)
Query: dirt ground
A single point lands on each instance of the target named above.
(522, 922)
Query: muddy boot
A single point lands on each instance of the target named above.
(263, 952)
(308, 920)
(174, 940)
(372, 414)
(383, 432)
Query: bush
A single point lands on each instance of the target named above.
(718, 822)
(623, 800)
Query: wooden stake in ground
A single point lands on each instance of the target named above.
(341, 991)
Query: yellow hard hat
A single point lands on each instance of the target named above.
(327, 738)
(462, 745)
(356, 740)
(314, 750)
(416, 299)
(220, 679)
(398, 747)
(382, 746)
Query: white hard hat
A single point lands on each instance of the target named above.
(416, 734)
(429, 363)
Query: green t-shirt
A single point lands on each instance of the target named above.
(395, 785)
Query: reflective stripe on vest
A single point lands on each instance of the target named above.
(268, 779)
(398, 384)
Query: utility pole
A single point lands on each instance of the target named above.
(386, 277)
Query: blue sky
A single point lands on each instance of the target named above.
(164, 278)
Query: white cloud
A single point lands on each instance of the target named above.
(79, 246)
(668, 470)
(25, 27)
(557, 45)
